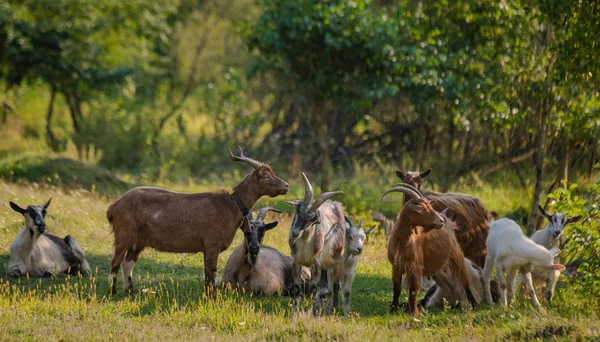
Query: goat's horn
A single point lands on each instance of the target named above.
(408, 192)
(360, 223)
(349, 221)
(262, 212)
(411, 187)
(255, 164)
(308, 191)
(322, 198)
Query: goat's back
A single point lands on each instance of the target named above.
(472, 218)
(173, 221)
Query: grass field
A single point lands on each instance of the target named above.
(169, 304)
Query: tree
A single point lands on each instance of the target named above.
(335, 53)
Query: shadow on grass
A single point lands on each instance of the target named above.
(157, 286)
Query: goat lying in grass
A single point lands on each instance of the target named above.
(423, 244)
(510, 251)
(254, 267)
(549, 237)
(343, 273)
(40, 254)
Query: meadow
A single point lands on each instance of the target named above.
(169, 304)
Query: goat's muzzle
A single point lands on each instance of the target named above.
(556, 234)
(41, 228)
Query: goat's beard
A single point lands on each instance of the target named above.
(251, 259)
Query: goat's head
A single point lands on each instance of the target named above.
(307, 209)
(413, 178)
(34, 216)
(355, 236)
(254, 232)
(557, 221)
(418, 208)
(264, 179)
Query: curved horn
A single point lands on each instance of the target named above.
(322, 198)
(408, 192)
(255, 164)
(308, 191)
(262, 212)
(349, 221)
(410, 187)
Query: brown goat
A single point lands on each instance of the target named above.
(472, 216)
(423, 244)
(185, 223)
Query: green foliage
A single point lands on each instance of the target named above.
(330, 51)
(583, 238)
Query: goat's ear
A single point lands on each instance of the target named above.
(292, 203)
(17, 208)
(47, 204)
(400, 174)
(261, 170)
(543, 212)
(271, 225)
(425, 173)
(573, 219)
(370, 230)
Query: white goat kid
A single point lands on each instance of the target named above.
(510, 251)
(343, 273)
(549, 237)
(38, 254)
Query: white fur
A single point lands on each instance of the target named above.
(343, 272)
(544, 278)
(509, 252)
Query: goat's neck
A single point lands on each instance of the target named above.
(404, 229)
(28, 240)
(247, 192)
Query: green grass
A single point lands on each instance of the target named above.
(169, 303)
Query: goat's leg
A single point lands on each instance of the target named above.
(210, 269)
(531, 289)
(130, 260)
(335, 295)
(487, 275)
(397, 284)
(346, 291)
(331, 284)
(551, 284)
(510, 284)
(501, 284)
(414, 285)
(322, 293)
(115, 264)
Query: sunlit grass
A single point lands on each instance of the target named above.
(169, 302)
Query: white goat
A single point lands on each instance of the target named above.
(549, 237)
(39, 254)
(509, 251)
(343, 273)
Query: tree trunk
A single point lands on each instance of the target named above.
(321, 127)
(449, 157)
(49, 134)
(539, 165)
(566, 164)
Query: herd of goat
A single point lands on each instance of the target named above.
(446, 243)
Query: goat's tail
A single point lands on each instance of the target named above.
(79, 253)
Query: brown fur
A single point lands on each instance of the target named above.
(184, 223)
(421, 245)
(472, 216)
